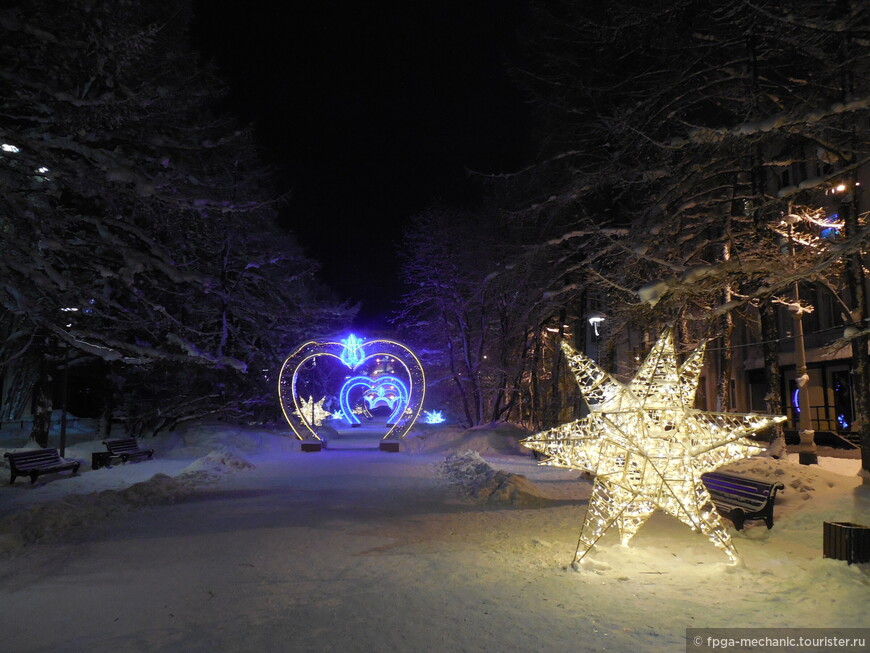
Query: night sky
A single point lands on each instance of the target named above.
(372, 112)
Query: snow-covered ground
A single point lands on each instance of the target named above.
(232, 539)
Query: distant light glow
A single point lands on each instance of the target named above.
(7, 147)
(433, 417)
(648, 446)
(42, 170)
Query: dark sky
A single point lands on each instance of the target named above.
(373, 110)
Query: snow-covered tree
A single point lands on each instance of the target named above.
(704, 125)
(136, 221)
(476, 312)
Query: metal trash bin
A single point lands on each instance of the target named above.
(100, 459)
(846, 541)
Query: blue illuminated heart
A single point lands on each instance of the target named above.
(387, 391)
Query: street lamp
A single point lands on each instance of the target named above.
(65, 382)
(807, 448)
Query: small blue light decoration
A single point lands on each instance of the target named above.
(404, 397)
(433, 417)
(833, 232)
(351, 353)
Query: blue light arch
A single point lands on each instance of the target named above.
(354, 352)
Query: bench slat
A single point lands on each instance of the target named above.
(36, 462)
(742, 498)
(127, 449)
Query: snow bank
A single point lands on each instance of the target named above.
(802, 482)
(75, 513)
(478, 480)
(492, 439)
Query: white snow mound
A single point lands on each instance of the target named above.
(478, 480)
(70, 516)
(216, 463)
(492, 439)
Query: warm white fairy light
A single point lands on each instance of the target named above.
(312, 411)
(648, 446)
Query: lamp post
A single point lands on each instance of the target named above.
(807, 448)
(65, 381)
(63, 393)
(596, 321)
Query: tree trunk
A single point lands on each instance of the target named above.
(534, 389)
(860, 356)
(108, 404)
(723, 384)
(42, 405)
(772, 374)
(555, 400)
(454, 374)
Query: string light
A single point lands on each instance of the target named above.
(648, 446)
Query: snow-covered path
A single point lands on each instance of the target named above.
(356, 550)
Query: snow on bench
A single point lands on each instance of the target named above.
(127, 449)
(35, 462)
(740, 498)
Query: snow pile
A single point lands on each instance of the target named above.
(73, 514)
(478, 480)
(70, 516)
(492, 439)
(802, 482)
(214, 465)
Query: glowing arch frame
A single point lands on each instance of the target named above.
(352, 352)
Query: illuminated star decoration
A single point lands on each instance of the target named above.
(433, 417)
(313, 412)
(648, 446)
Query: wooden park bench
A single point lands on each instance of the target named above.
(35, 462)
(127, 449)
(740, 498)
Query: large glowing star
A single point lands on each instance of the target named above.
(648, 446)
(403, 396)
